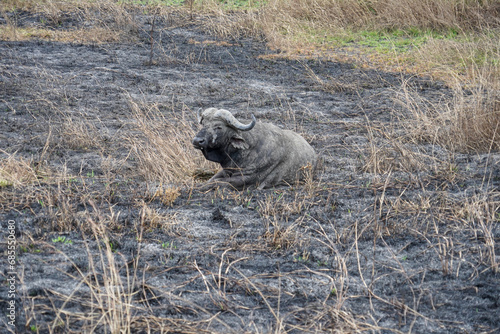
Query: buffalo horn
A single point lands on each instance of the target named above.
(233, 122)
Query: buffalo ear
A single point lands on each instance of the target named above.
(238, 142)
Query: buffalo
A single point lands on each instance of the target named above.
(257, 154)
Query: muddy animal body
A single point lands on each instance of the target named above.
(256, 154)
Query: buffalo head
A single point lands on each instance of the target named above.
(220, 135)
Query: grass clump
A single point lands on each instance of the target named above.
(105, 21)
(287, 17)
(17, 171)
(163, 147)
(86, 36)
(469, 122)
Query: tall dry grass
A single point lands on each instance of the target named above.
(17, 171)
(105, 21)
(434, 14)
(470, 122)
(163, 145)
(287, 23)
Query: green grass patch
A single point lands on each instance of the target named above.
(382, 41)
(5, 183)
(397, 40)
(242, 4)
(62, 240)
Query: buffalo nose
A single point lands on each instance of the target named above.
(198, 142)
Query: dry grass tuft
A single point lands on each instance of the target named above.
(388, 150)
(163, 146)
(470, 120)
(105, 21)
(81, 133)
(284, 211)
(481, 213)
(166, 196)
(152, 219)
(281, 235)
(17, 171)
(86, 36)
(231, 24)
(468, 123)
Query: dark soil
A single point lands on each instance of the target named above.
(397, 251)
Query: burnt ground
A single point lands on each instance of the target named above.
(390, 236)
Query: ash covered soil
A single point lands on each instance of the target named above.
(386, 237)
